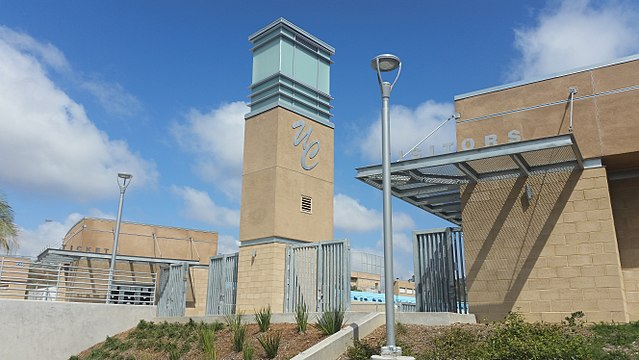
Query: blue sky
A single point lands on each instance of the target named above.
(158, 88)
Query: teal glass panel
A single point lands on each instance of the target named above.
(288, 49)
(323, 77)
(266, 60)
(305, 66)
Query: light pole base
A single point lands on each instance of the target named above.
(391, 353)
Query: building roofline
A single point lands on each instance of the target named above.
(283, 22)
(134, 223)
(547, 77)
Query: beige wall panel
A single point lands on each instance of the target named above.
(274, 179)
(260, 279)
(601, 124)
(619, 118)
(537, 257)
(290, 156)
(196, 291)
(96, 235)
(260, 141)
(257, 213)
(290, 221)
(523, 96)
(616, 77)
(540, 123)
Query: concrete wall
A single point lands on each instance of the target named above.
(260, 279)
(545, 258)
(196, 291)
(56, 330)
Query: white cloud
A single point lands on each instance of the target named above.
(113, 97)
(408, 127)
(217, 139)
(47, 141)
(227, 244)
(199, 206)
(350, 215)
(45, 53)
(48, 234)
(576, 33)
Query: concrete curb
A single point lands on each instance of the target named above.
(335, 345)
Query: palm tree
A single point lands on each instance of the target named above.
(8, 230)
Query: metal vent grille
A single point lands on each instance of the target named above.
(306, 205)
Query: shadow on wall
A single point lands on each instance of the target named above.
(505, 234)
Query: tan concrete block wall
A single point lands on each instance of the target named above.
(625, 207)
(273, 180)
(545, 258)
(600, 123)
(197, 288)
(260, 279)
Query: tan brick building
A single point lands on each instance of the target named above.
(545, 185)
(156, 241)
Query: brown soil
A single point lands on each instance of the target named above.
(291, 344)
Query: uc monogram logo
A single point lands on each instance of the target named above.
(309, 150)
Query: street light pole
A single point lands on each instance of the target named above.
(126, 180)
(385, 63)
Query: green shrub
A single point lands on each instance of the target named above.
(454, 343)
(233, 320)
(361, 351)
(301, 317)
(263, 318)
(270, 343)
(207, 343)
(247, 351)
(239, 334)
(331, 321)
(517, 339)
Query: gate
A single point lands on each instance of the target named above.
(222, 287)
(440, 271)
(318, 276)
(172, 292)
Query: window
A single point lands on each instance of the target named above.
(306, 205)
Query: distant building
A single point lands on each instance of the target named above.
(96, 235)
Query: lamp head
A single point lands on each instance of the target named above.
(385, 62)
(125, 176)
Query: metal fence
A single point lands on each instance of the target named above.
(172, 290)
(222, 287)
(22, 278)
(318, 276)
(440, 271)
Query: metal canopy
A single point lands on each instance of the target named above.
(433, 183)
(58, 256)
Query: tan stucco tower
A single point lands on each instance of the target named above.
(287, 175)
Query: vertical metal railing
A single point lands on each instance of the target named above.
(440, 271)
(172, 292)
(318, 276)
(222, 284)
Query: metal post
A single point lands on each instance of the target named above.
(385, 63)
(116, 236)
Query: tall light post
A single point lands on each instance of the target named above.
(126, 180)
(385, 63)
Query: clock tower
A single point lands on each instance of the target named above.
(287, 174)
